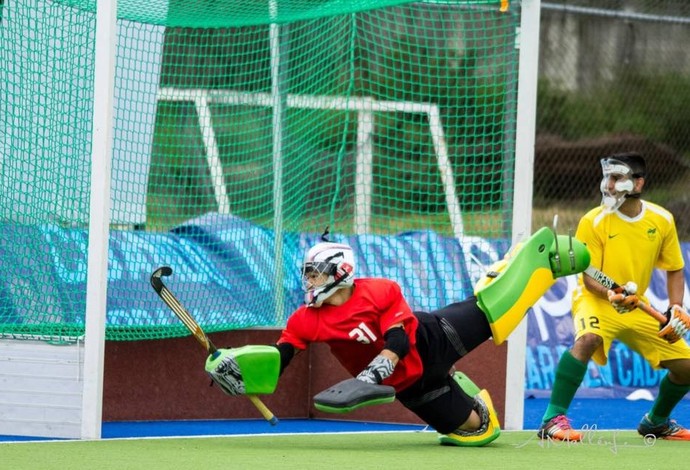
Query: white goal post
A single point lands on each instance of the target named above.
(365, 108)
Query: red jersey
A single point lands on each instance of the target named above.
(354, 331)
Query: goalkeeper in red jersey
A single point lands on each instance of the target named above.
(389, 349)
(393, 352)
(627, 238)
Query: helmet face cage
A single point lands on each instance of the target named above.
(332, 260)
(311, 268)
(622, 174)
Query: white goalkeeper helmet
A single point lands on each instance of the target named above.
(336, 262)
(617, 183)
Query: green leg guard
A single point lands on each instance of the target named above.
(527, 272)
(466, 384)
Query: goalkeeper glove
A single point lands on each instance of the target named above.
(677, 326)
(225, 371)
(624, 301)
(379, 369)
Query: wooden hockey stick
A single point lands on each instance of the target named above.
(171, 301)
(609, 283)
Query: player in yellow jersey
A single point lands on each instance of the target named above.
(627, 238)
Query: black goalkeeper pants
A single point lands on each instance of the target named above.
(443, 337)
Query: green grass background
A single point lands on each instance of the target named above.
(394, 450)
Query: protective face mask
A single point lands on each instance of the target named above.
(613, 199)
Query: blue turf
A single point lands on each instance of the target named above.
(213, 427)
(604, 413)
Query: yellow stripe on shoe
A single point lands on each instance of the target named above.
(474, 439)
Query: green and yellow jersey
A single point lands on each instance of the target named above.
(629, 249)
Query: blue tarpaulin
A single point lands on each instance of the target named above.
(227, 267)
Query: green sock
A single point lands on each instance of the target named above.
(569, 375)
(669, 396)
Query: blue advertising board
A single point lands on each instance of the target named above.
(228, 263)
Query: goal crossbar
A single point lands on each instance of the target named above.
(364, 106)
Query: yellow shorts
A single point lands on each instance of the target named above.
(636, 329)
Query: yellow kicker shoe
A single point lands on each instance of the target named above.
(487, 433)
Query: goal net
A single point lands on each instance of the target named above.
(242, 129)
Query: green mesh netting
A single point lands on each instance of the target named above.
(229, 13)
(241, 130)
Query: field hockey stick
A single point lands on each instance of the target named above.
(610, 284)
(171, 301)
